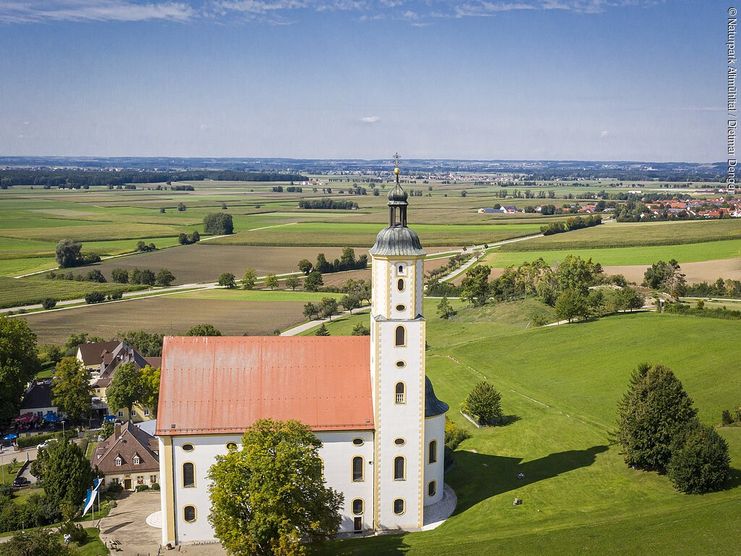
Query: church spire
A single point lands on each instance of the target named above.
(397, 200)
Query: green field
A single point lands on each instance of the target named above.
(562, 383)
(27, 291)
(645, 255)
(624, 234)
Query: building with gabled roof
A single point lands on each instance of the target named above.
(128, 457)
(366, 398)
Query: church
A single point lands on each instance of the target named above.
(366, 398)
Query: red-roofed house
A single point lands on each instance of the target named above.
(366, 398)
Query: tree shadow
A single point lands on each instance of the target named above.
(476, 477)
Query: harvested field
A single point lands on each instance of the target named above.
(706, 271)
(169, 314)
(339, 278)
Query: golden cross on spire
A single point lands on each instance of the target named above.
(396, 166)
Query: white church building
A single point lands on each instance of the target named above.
(365, 397)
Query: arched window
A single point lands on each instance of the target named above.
(401, 339)
(189, 514)
(189, 475)
(231, 446)
(398, 506)
(399, 468)
(357, 468)
(401, 269)
(433, 452)
(432, 488)
(357, 506)
(400, 284)
(401, 396)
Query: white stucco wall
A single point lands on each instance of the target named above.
(435, 430)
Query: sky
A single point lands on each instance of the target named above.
(637, 80)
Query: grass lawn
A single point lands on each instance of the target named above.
(8, 471)
(685, 253)
(562, 383)
(15, 292)
(93, 546)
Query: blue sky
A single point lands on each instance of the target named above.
(517, 79)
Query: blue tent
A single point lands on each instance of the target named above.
(10, 436)
(110, 418)
(51, 417)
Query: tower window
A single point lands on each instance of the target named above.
(401, 338)
(400, 307)
(432, 488)
(401, 395)
(188, 447)
(189, 514)
(400, 284)
(357, 469)
(401, 364)
(399, 468)
(357, 506)
(398, 506)
(189, 475)
(401, 269)
(399, 441)
(357, 441)
(433, 452)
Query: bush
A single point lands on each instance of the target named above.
(485, 403)
(49, 303)
(118, 294)
(141, 488)
(95, 297)
(75, 531)
(454, 434)
(120, 275)
(700, 461)
(114, 488)
(42, 542)
(726, 418)
(155, 486)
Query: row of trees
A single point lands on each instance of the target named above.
(346, 261)
(189, 239)
(69, 254)
(329, 204)
(576, 223)
(658, 430)
(143, 276)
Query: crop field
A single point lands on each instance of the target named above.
(646, 255)
(625, 234)
(26, 291)
(579, 496)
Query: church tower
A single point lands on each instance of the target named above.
(398, 370)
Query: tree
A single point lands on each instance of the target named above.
(475, 286)
(66, 473)
(328, 307)
(575, 273)
(249, 279)
(629, 299)
(311, 311)
(74, 341)
(181, 207)
(164, 277)
(313, 281)
(120, 275)
(305, 266)
(126, 388)
(360, 330)
(271, 281)
(322, 330)
(227, 280)
(71, 390)
(203, 330)
(149, 344)
(270, 496)
(350, 302)
(18, 364)
(69, 253)
(94, 297)
(39, 542)
(293, 282)
(322, 265)
(485, 402)
(650, 414)
(95, 275)
(700, 461)
(218, 223)
(666, 276)
(147, 277)
(445, 309)
(571, 304)
(49, 303)
(150, 394)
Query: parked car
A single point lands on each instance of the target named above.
(20, 482)
(46, 444)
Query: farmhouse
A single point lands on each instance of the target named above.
(128, 457)
(366, 398)
(37, 399)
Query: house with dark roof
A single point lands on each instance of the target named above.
(37, 399)
(128, 457)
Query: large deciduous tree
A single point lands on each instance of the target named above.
(150, 383)
(475, 286)
(571, 304)
(203, 329)
(125, 388)
(71, 390)
(69, 253)
(651, 413)
(249, 279)
(270, 496)
(149, 344)
(18, 364)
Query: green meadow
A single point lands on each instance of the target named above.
(26, 291)
(561, 385)
(649, 254)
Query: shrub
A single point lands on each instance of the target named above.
(120, 275)
(726, 418)
(227, 280)
(75, 531)
(454, 434)
(700, 461)
(115, 488)
(95, 275)
(360, 330)
(141, 488)
(49, 303)
(485, 403)
(118, 294)
(155, 486)
(95, 297)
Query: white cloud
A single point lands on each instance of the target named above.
(93, 10)
(370, 119)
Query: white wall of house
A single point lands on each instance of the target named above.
(38, 410)
(435, 431)
(136, 477)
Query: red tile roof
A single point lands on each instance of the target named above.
(215, 384)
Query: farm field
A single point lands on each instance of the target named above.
(624, 234)
(234, 312)
(705, 271)
(579, 496)
(618, 256)
(27, 291)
